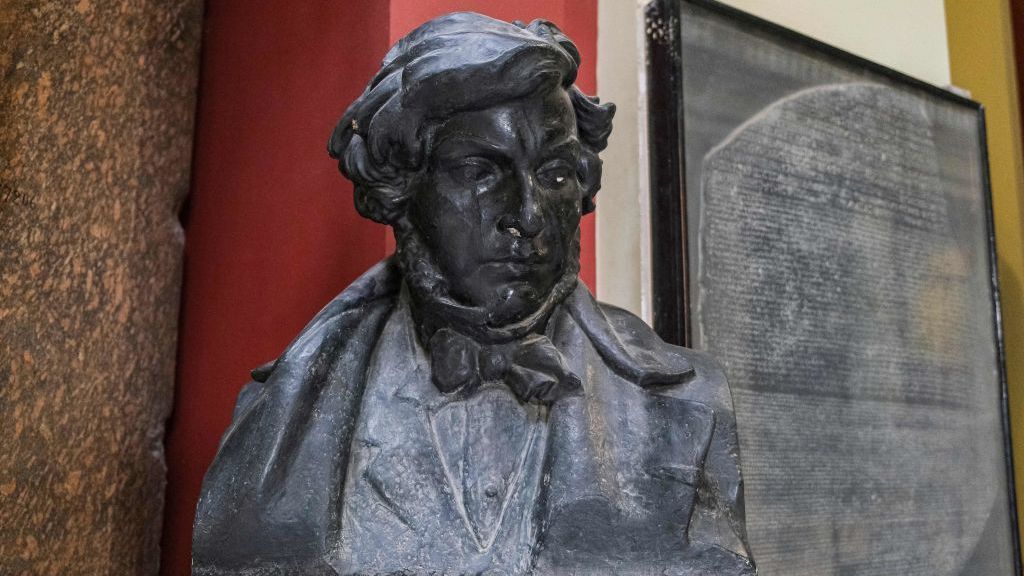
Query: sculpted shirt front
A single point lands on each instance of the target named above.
(347, 459)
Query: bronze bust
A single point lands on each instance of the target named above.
(466, 406)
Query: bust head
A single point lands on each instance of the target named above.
(474, 144)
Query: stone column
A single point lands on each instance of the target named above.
(97, 101)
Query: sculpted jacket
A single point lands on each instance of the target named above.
(344, 458)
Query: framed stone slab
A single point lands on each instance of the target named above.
(822, 226)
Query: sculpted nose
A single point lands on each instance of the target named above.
(527, 218)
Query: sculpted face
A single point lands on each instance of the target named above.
(499, 202)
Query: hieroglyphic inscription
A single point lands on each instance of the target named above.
(836, 288)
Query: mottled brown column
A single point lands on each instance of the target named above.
(96, 116)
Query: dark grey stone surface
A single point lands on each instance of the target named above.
(466, 406)
(843, 281)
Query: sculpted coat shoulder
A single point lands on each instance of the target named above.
(648, 445)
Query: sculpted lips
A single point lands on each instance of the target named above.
(523, 256)
(521, 264)
(519, 267)
(516, 267)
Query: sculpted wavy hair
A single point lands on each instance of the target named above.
(454, 63)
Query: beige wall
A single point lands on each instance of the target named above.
(909, 35)
(619, 224)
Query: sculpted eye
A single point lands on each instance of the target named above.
(475, 172)
(556, 174)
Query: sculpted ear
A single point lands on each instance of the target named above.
(380, 192)
(589, 173)
(383, 204)
(594, 125)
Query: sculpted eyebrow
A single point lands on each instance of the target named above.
(569, 145)
(457, 142)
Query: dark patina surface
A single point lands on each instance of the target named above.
(466, 406)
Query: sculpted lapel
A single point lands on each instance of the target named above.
(395, 489)
(624, 467)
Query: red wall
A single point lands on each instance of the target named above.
(271, 232)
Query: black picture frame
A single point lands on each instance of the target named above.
(672, 266)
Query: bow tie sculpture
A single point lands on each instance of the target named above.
(531, 367)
